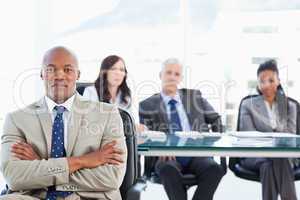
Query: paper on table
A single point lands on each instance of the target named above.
(257, 134)
(280, 134)
(154, 135)
(253, 142)
(211, 134)
(189, 134)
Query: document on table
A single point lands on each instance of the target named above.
(253, 142)
(257, 134)
(154, 135)
(211, 134)
(189, 134)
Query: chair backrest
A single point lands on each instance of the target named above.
(131, 174)
(239, 113)
(298, 115)
(235, 163)
(80, 86)
(297, 168)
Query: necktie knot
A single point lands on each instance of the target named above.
(59, 109)
(172, 102)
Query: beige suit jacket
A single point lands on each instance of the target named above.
(91, 125)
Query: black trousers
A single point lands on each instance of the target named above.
(206, 170)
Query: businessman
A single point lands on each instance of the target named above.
(63, 147)
(174, 110)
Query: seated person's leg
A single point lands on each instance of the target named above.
(266, 173)
(209, 173)
(170, 175)
(284, 176)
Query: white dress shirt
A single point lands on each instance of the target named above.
(66, 115)
(272, 113)
(90, 93)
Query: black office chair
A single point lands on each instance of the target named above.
(132, 185)
(80, 86)
(189, 180)
(251, 175)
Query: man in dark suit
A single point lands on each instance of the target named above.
(180, 110)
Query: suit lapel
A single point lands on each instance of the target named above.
(74, 124)
(186, 102)
(46, 122)
(282, 111)
(162, 111)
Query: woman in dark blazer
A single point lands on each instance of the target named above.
(270, 111)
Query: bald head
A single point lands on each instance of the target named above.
(61, 50)
(60, 72)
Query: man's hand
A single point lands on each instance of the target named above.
(24, 151)
(140, 128)
(108, 154)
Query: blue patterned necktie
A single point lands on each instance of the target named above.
(57, 149)
(175, 125)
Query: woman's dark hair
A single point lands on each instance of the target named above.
(101, 83)
(268, 65)
(272, 66)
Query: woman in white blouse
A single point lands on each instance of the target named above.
(111, 85)
(270, 111)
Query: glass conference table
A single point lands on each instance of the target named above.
(233, 144)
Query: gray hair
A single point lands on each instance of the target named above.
(170, 61)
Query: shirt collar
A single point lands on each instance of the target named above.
(118, 99)
(273, 107)
(67, 104)
(167, 98)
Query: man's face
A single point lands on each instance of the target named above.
(170, 77)
(60, 72)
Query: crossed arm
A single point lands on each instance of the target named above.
(99, 170)
(108, 154)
